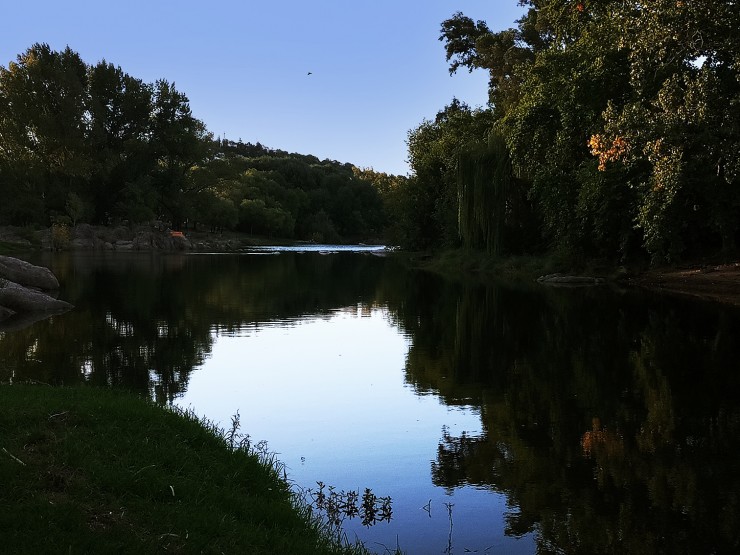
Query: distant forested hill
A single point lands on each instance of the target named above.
(91, 143)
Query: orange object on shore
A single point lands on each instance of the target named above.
(177, 234)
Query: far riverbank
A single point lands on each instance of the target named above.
(718, 282)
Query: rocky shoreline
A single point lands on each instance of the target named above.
(153, 237)
(718, 283)
(27, 294)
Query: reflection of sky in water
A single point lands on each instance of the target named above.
(329, 397)
(311, 247)
(302, 248)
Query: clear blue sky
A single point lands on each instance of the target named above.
(378, 68)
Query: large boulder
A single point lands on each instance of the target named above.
(147, 240)
(21, 299)
(26, 274)
(84, 237)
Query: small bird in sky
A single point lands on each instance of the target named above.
(309, 73)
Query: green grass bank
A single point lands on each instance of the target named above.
(87, 470)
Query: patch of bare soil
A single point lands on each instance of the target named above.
(719, 283)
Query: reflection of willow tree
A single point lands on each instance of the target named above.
(612, 425)
(144, 323)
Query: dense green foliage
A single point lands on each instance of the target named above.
(622, 121)
(274, 193)
(82, 143)
(88, 470)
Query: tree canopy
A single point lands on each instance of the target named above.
(91, 143)
(621, 120)
(612, 131)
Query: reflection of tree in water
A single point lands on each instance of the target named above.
(613, 425)
(144, 322)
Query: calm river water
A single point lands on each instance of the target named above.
(499, 419)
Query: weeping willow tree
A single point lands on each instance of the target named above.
(484, 178)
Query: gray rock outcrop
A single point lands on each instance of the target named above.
(26, 274)
(151, 237)
(140, 238)
(84, 237)
(22, 299)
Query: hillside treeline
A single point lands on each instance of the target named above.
(91, 143)
(612, 131)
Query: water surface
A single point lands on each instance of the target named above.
(500, 419)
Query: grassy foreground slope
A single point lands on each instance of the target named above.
(86, 470)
